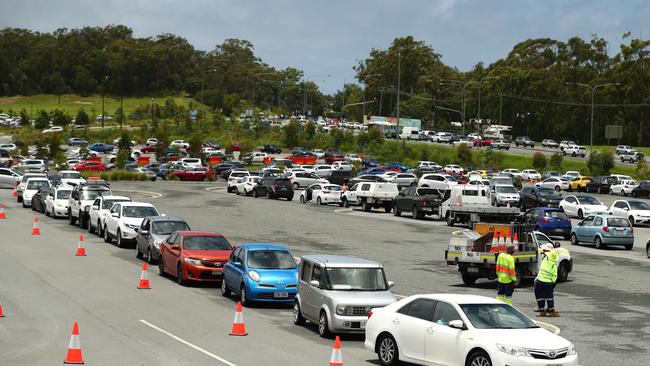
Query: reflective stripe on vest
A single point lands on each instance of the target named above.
(547, 271)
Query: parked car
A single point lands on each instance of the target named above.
(623, 149)
(32, 186)
(271, 149)
(549, 174)
(371, 195)
(632, 157)
(437, 181)
(246, 185)
(550, 143)
(194, 256)
(233, 177)
(91, 165)
(274, 187)
(352, 158)
(124, 220)
(642, 190)
(455, 329)
(500, 144)
(550, 221)
(56, 202)
(34, 165)
(581, 205)
(338, 292)
(420, 202)
(261, 272)
(81, 199)
(453, 169)
(530, 174)
(101, 148)
(100, 209)
(322, 194)
(565, 144)
(579, 183)
(53, 129)
(153, 231)
(531, 197)
(513, 172)
(9, 177)
(503, 195)
(575, 150)
(623, 187)
(196, 174)
(23, 181)
(403, 179)
(321, 170)
(524, 141)
(603, 230)
(77, 141)
(637, 212)
(600, 184)
(305, 179)
(180, 144)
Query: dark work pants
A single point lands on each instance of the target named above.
(544, 295)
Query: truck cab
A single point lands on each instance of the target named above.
(81, 199)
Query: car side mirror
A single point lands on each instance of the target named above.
(144, 232)
(115, 214)
(175, 247)
(580, 224)
(391, 284)
(457, 324)
(95, 207)
(315, 283)
(626, 209)
(556, 244)
(237, 264)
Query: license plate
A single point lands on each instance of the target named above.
(216, 273)
(280, 295)
(618, 232)
(558, 230)
(553, 364)
(472, 269)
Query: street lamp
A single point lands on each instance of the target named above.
(103, 92)
(479, 95)
(592, 89)
(353, 104)
(365, 86)
(203, 72)
(304, 83)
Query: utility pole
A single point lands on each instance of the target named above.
(399, 75)
(500, 107)
(153, 115)
(592, 89)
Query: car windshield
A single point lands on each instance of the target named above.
(270, 259)
(356, 279)
(496, 316)
(70, 175)
(451, 178)
(506, 189)
(502, 180)
(556, 214)
(36, 184)
(139, 211)
(238, 174)
(332, 188)
(91, 194)
(548, 192)
(617, 222)
(109, 203)
(638, 205)
(206, 243)
(168, 227)
(63, 194)
(588, 200)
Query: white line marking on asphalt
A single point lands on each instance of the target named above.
(207, 353)
(343, 210)
(152, 194)
(210, 189)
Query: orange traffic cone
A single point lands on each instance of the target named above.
(337, 357)
(3, 215)
(238, 326)
(74, 349)
(508, 238)
(81, 251)
(15, 194)
(2, 315)
(35, 229)
(494, 248)
(515, 242)
(144, 278)
(344, 187)
(502, 242)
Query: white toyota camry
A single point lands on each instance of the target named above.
(461, 330)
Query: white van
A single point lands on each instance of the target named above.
(410, 133)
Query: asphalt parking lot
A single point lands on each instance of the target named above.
(45, 288)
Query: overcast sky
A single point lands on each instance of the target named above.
(327, 36)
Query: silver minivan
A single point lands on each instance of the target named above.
(337, 292)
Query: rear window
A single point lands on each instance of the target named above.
(36, 184)
(617, 222)
(556, 214)
(63, 194)
(282, 182)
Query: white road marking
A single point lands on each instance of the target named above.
(207, 353)
(210, 189)
(151, 194)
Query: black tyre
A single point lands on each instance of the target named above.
(574, 239)
(469, 279)
(90, 227)
(161, 267)
(629, 247)
(119, 241)
(396, 211)
(225, 291)
(296, 186)
(71, 220)
(557, 189)
(243, 296)
(449, 219)
(387, 350)
(599, 243)
(580, 215)
(647, 249)
(150, 259)
(290, 198)
(107, 235)
(99, 232)
(138, 253)
(298, 319)
(631, 218)
(563, 272)
(302, 199)
(478, 358)
(345, 202)
(255, 193)
(323, 325)
(365, 206)
(319, 201)
(179, 275)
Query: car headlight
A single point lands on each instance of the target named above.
(340, 309)
(254, 276)
(192, 261)
(572, 351)
(131, 226)
(156, 243)
(514, 351)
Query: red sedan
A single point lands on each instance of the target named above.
(194, 256)
(94, 166)
(194, 174)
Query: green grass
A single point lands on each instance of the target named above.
(72, 103)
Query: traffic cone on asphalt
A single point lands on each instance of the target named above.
(494, 248)
(74, 349)
(35, 229)
(15, 194)
(238, 326)
(3, 215)
(144, 278)
(81, 251)
(2, 315)
(337, 357)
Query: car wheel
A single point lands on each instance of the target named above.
(563, 272)
(138, 253)
(99, 231)
(225, 291)
(161, 267)
(296, 186)
(90, 227)
(237, 192)
(647, 250)
(243, 296)
(449, 219)
(254, 193)
(323, 326)
(319, 201)
(631, 218)
(290, 198)
(298, 319)
(107, 235)
(387, 351)
(70, 218)
(478, 358)
(580, 214)
(150, 259)
(179, 275)
(345, 202)
(415, 213)
(557, 189)
(396, 211)
(469, 279)
(119, 240)
(629, 247)
(599, 243)
(365, 207)
(574, 239)
(268, 195)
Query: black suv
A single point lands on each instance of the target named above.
(271, 149)
(601, 184)
(642, 190)
(531, 197)
(274, 187)
(524, 141)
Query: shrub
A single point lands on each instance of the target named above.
(642, 170)
(464, 155)
(539, 161)
(600, 163)
(555, 162)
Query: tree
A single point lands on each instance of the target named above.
(292, 134)
(492, 159)
(82, 118)
(464, 155)
(60, 117)
(555, 162)
(642, 170)
(539, 161)
(54, 145)
(196, 143)
(24, 117)
(600, 163)
(43, 120)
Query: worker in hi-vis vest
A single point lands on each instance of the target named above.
(545, 282)
(506, 274)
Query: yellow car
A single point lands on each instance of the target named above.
(579, 183)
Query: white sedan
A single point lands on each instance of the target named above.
(623, 187)
(581, 205)
(638, 212)
(557, 183)
(124, 221)
(531, 174)
(514, 172)
(322, 194)
(459, 330)
(31, 187)
(56, 202)
(246, 185)
(180, 144)
(455, 169)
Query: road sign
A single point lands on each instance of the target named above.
(194, 114)
(613, 132)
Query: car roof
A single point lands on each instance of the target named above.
(165, 218)
(460, 298)
(199, 233)
(137, 204)
(115, 197)
(544, 209)
(263, 246)
(328, 260)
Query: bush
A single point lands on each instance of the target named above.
(600, 163)
(642, 170)
(464, 155)
(555, 162)
(492, 158)
(539, 161)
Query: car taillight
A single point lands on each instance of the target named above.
(605, 229)
(423, 201)
(545, 219)
(369, 313)
(324, 191)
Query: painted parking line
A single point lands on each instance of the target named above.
(207, 353)
(211, 189)
(150, 194)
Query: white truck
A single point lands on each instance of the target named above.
(410, 133)
(470, 204)
(371, 195)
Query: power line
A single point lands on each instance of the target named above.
(540, 100)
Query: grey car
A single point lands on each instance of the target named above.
(153, 231)
(305, 179)
(337, 292)
(9, 177)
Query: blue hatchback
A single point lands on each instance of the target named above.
(261, 272)
(550, 221)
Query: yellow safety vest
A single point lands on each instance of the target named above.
(506, 268)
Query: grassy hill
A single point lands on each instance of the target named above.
(72, 103)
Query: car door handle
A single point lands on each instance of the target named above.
(430, 330)
(395, 321)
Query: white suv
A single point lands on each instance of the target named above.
(451, 168)
(99, 210)
(565, 144)
(56, 202)
(576, 150)
(234, 177)
(31, 187)
(531, 174)
(437, 181)
(125, 219)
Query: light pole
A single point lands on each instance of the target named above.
(103, 93)
(592, 89)
(479, 95)
(365, 85)
(399, 77)
(353, 104)
(153, 116)
(304, 102)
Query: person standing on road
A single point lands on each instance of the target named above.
(507, 276)
(545, 282)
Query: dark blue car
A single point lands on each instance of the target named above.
(373, 171)
(261, 272)
(101, 147)
(550, 221)
(369, 163)
(401, 166)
